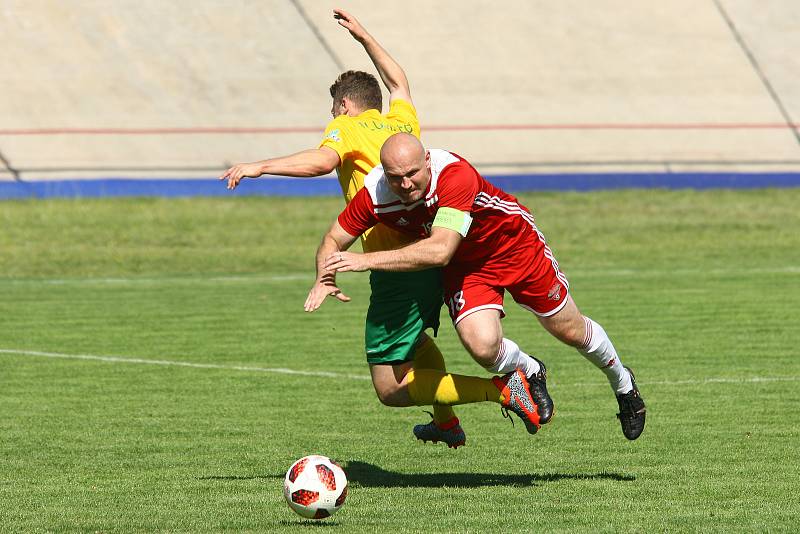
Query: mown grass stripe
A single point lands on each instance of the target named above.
(301, 276)
(326, 374)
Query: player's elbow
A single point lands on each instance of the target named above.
(315, 169)
(325, 161)
(399, 91)
(441, 256)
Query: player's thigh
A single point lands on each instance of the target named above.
(539, 286)
(481, 334)
(468, 291)
(544, 290)
(567, 325)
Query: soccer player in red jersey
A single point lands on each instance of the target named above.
(397, 317)
(487, 243)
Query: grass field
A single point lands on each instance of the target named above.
(147, 350)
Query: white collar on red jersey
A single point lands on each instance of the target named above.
(439, 160)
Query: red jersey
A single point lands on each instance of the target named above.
(500, 229)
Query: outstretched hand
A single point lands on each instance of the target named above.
(235, 174)
(346, 261)
(348, 21)
(321, 289)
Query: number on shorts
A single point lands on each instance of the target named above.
(457, 303)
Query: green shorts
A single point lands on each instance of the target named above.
(401, 307)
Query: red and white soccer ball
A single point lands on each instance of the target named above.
(315, 486)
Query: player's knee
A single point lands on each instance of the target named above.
(482, 335)
(484, 347)
(388, 395)
(390, 385)
(386, 390)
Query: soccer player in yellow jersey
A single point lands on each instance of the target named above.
(397, 317)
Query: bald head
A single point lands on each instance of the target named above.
(400, 150)
(406, 166)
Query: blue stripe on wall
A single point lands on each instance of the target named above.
(125, 187)
(167, 187)
(600, 181)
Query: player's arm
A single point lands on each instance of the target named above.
(449, 228)
(308, 163)
(337, 239)
(434, 251)
(392, 74)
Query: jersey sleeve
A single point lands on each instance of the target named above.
(359, 215)
(336, 139)
(457, 187)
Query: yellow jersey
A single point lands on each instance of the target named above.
(358, 142)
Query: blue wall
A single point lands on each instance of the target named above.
(126, 187)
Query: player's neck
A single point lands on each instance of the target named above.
(355, 112)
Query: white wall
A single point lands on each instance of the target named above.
(561, 69)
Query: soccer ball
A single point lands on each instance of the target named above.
(315, 486)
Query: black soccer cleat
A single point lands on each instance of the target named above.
(537, 383)
(631, 411)
(449, 432)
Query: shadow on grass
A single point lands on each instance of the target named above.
(233, 477)
(371, 476)
(327, 522)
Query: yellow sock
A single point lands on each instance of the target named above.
(429, 386)
(428, 356)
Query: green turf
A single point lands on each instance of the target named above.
(699, 291)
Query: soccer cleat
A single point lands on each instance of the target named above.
(517, 398)
(631, 411)
(450, 432)
(537, 384)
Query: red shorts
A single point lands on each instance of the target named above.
(531, 275)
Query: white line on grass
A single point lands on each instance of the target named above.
(325, 374)
(118, 359)
(702, 381)
(289, 277)
(644, 273)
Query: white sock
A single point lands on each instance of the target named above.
(510, 357)
(597, 348)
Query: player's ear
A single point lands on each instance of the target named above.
(347, 106)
